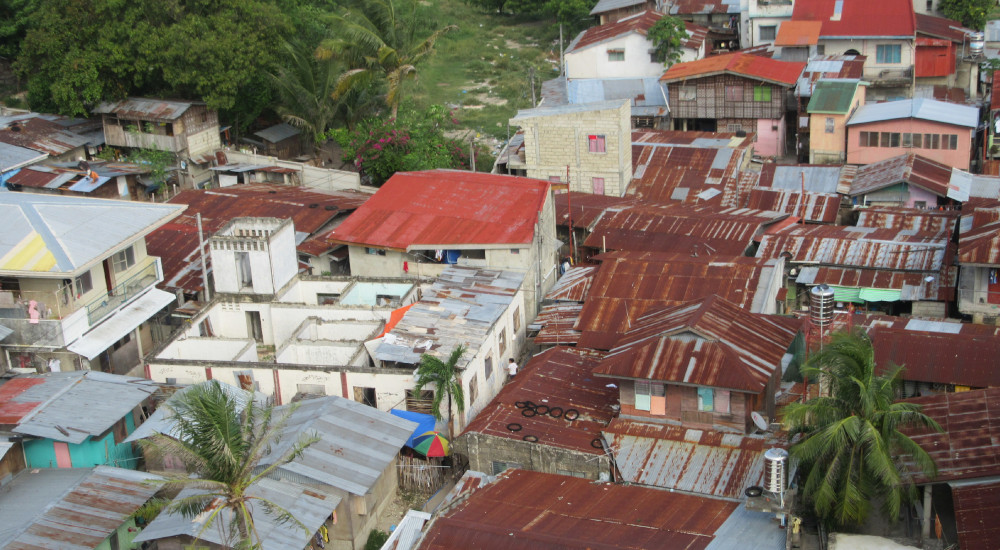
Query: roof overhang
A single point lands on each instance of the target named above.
(125, 320)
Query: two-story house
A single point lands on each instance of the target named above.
(707, 362)
(76, 284)
(938, 130)
(884, 32)
(188, 129)
(418, 223)
(761, 19)
(833, 101)
(735, 92)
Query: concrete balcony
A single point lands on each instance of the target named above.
(889, 77)
(38, 319)
(138, 281)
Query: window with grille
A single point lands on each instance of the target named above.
(84, 284)
(768, 32)
(762, 93)
(616, 54)
(642, 395)
(830, 125)
(734, 128)
(734, 93)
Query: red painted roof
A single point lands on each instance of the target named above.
(728, 346)
(751, 66)
(639, 23)
(885, 18)
(559, 377)
(798, 33)
(531, 510)
(12, 409)
(446, 207)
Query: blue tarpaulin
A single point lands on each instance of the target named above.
(425, 423)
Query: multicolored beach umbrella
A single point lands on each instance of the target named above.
(431, 444)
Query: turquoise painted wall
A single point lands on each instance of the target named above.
(40, 453)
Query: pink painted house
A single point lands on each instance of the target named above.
(933, 129)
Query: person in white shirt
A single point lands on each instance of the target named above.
(511, 368)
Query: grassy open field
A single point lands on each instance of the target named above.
(482, 70)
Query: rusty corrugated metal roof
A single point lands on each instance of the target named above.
(696, 7)
(628, 284)
(980, 246)
(176, 243)
(682, 229)
(941, 27)
(574, 285)
(146, 109)
(710, 342)
(967, 448)
(531, 510)
(559, 377)
(39, 134)
(910, 168)
(977, 506)
(939, 357)
(70, 508)
(860, 247)
(446, 207)
(934, 221)
(587, 207)
(556, 322)
(819, 207)
(913, 285)
(665, 174)
(717, 464)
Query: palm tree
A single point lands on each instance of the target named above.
(379, 45)
(223, 445)
(852, 441)
(304, 87)
(446, 378)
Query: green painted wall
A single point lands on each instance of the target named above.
(40, 453)
(124, 537)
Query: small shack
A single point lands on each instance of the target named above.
(281, 140)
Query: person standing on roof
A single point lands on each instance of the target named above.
(511, 368)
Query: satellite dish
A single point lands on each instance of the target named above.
(759, 420)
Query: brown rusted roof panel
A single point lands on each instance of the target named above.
(939, 357)
(971, 423)
(629, 284)
(557, 321)
(819, 207)
(730, 347)
(927, 221)
(587, 207)
(574, 285)
(559, 377)
(532, 510)
(976, 509)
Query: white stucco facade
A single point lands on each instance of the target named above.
(593, 60)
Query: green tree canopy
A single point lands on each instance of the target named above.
(971, 13)
(224, 446)
(852, 439)
(79, 52)
(447, 380)
(382, 42)
(668, 36)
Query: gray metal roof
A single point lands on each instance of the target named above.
(356, 443)
(460, 308)
(594, 90)
(818, 179)
(307, 505)
(567, 109)
(72, 406)
(922, 108)
(748, 530)
(986, 187)
(608, 5)
(12, 157)
(278, 132)
(69, 508)
(5, 332)
(160, 421)
(75, 231)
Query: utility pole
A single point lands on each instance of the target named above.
(562, 60)
(204, 264)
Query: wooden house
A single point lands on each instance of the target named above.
(611, 11)
(188, 129)
(733, 93)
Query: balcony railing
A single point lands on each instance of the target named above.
(979, 297)
(123, 292)
(36, 316)
(885, 76)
